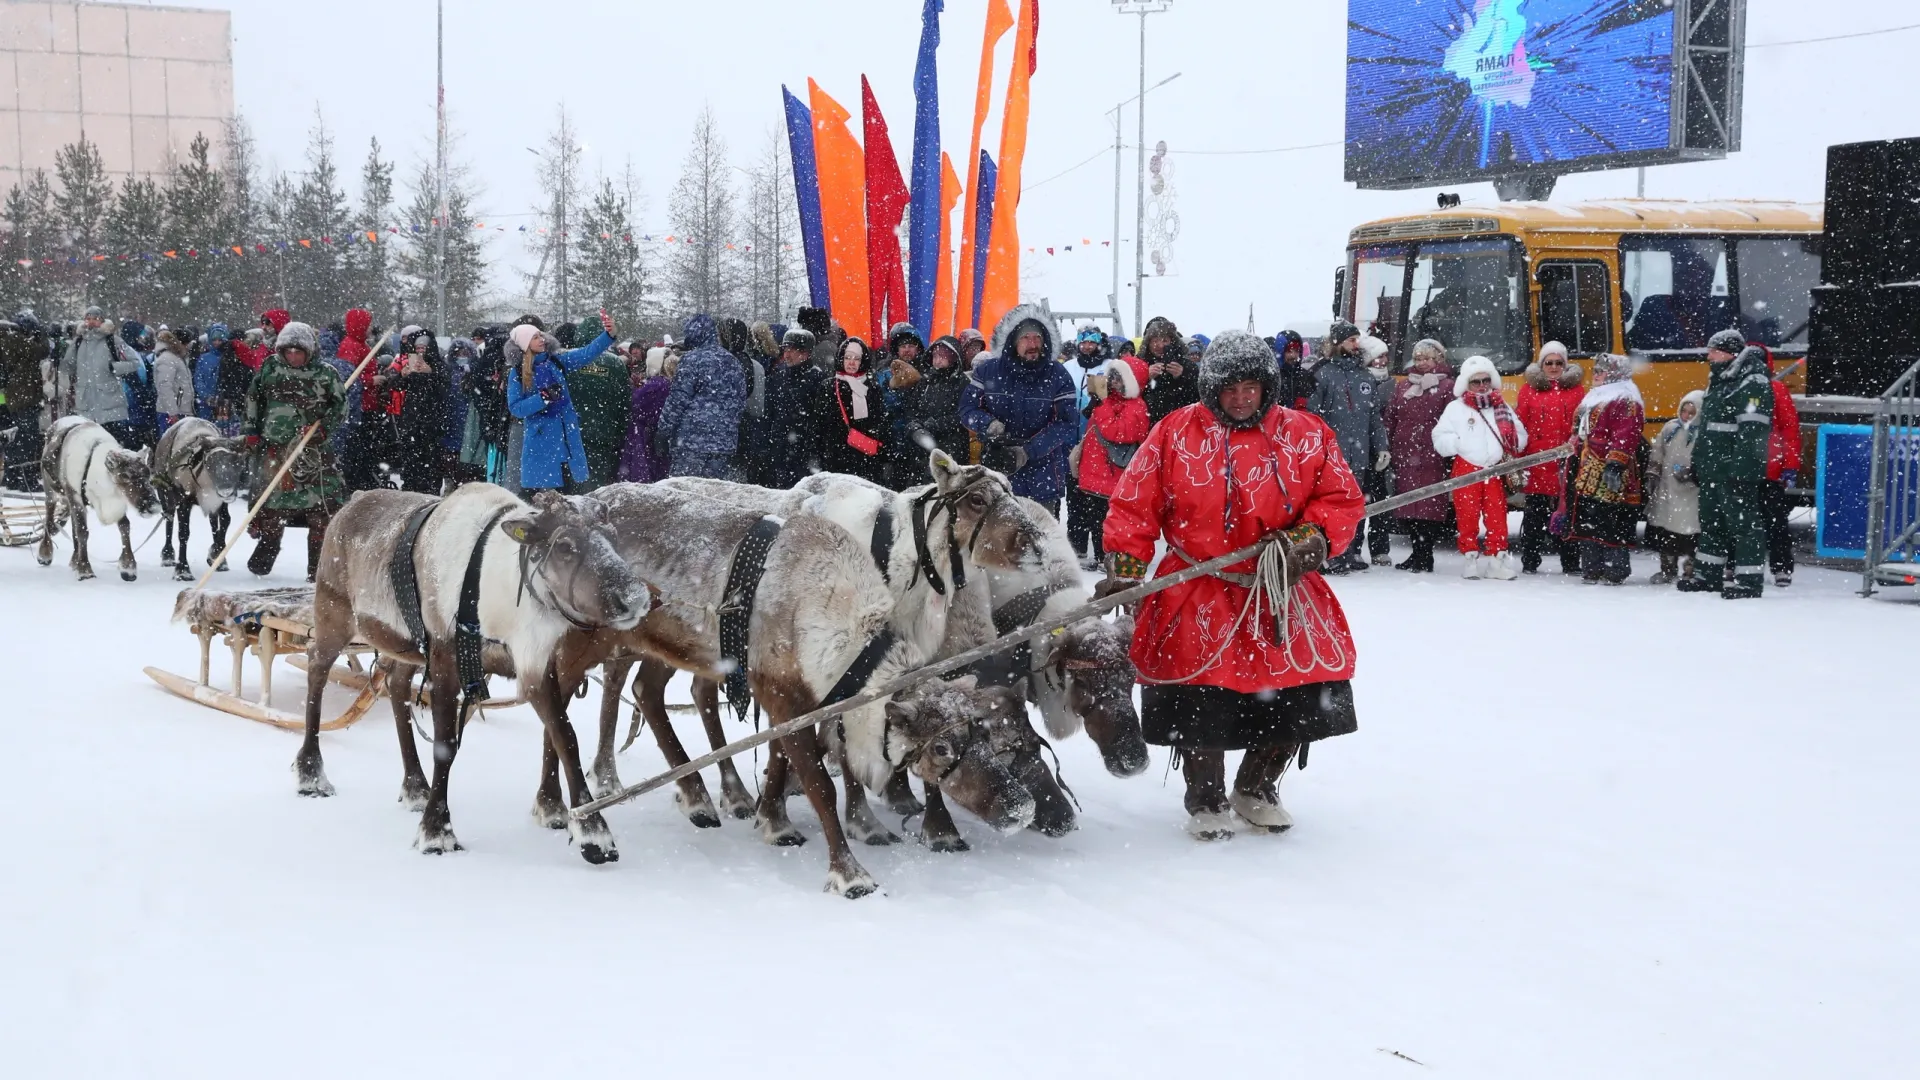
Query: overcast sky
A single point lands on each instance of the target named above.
(1263, 229)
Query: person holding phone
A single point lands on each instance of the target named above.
(552, 455)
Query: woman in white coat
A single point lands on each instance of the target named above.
(1479, 430)
(1673, 502)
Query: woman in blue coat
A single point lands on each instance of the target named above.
(552, 456)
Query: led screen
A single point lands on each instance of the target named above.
(1447, 90)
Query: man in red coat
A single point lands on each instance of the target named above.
(1222, 669)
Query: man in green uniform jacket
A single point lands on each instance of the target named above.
(601, 397)
(290, 393)
(1730, 465)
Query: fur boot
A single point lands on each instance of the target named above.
(1256, 794)
(1210, 812)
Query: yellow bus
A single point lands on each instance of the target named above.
(1650, 279)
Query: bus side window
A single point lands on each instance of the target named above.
(1576, 307)
(1680, 290)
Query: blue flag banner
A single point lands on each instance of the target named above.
(923, 224)
(806, 185)
(989, 175)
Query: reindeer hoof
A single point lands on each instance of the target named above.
(700, 812)
(129, 575)
(316, 787)
(86, 575)
(736, 804)
(871, 833)
(788, 836)
(852, 886)
(439, 843)
(549, 814)
(222, 568)
(595, 840)
(948, 845)
(413, 795)
(604, 784)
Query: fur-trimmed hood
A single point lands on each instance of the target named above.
(1569, 380)
(1015, 321)
(1161, 326)
(1129, 375)
(298, 335)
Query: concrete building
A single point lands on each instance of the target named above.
(138, 81)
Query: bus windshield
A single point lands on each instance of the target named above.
(1466, 294)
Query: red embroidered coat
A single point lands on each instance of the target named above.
(1287, 472)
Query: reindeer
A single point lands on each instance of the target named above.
(822, 609)
(83, 468)
(503, 583)
(924, 566)
(1081, 678)
(194, 466)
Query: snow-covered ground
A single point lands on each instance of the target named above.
(1583, 832)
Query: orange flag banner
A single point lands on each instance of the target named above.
(842, 167)
(1003, 260)
(943, 280)
(999, 21)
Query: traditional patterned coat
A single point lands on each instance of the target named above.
(1209, 491)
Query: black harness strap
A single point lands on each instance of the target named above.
(1016, 614)
(861, 671)
(927, 569)
(467, 642)
(404, 576)
(736, 610)
(882, 543)
(84, 470)
(1020, 611)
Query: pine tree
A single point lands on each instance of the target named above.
(370, 263)
(130, 276)
(80, 206)
(244, 286)
(609, 265)
(318, 222)
(703, 274)
(197, 211)
(275, 276)
(31, 235)
(466, 254)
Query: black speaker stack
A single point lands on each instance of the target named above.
(1866, 311)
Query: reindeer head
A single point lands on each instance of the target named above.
(939, 731)
(569, 562)
(1089, 677)
(228, 470)
(132, 476)
(989, 524)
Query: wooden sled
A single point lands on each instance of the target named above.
(23, 518)
(270, 624)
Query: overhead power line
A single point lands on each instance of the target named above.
(1836, 37)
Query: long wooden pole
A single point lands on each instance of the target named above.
(1036, 632)
(298, 448)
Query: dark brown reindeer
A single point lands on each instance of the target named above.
(84, 471)
(821, 608)
(193, 466)
(497, 579)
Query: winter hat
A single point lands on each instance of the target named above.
(1609, 368)
(1475, 367)
(278, 318)
(971, 336)
(902, 332)
(1341, 331)
(949, 343)
(764, 342)
(522, 336)
(816, 321)
(1090, 333)
(1697, 397)
(217, 332)
(1553, 348)
(1125, 348)
(1372, 347)
(94, 311)
(1237, 356)
(329, 342)
(1427, 347)
(567, 334)
(657, 360)
(840, 354)
(1730, 341)
(1127, 374)
(167, 341)
(799, 339)
(297, 335)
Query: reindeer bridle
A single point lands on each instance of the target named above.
(947, 502)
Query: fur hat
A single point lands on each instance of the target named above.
(1372, 347)
(1729, 341)
(763, 340)
(656, 360)
(1475, 367)
(799, 339)
(1551, 348)
(816, 321)
(297, 335)
(1233, 357)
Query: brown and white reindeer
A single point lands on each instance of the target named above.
(497, 580)
(820, 621)
(84, 471)
(193, 466)
(1080, 678)
(931, 539)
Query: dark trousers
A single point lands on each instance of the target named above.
(1775, 506)
(1425, 536)
(1373, 534)
(22, 455)
(1603, 562)
(1086, 522)
(1537, 541)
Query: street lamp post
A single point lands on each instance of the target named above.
(1114, 112)
(1143, 8)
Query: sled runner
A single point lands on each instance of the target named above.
(271, 624)
(23, 518)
